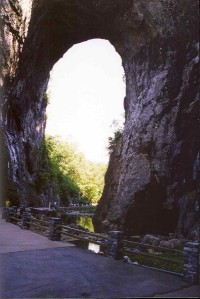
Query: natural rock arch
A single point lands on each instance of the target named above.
(156, 158)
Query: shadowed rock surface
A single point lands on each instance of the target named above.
(152, 180)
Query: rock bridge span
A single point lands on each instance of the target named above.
(152, 180)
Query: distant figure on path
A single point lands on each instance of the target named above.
(7, 203)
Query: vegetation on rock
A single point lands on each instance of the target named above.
(118, 130)
(112, 141)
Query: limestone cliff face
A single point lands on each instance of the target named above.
(22, 107)
(153, 175)
(154, 171)
(14, 21)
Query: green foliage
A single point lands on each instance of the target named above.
(49, 171)
(112, 141)
(44, 173)
(86, 222)
(46, 98)
(118, 126)
(160, 264)
(73, 175)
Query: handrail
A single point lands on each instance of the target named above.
(15, 218)
(82, 238)
(42, 226)
(39, 220)
(16, 214)
(85, 232)
(90, 235)
(151, 246)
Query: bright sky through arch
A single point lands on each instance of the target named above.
(86, 92)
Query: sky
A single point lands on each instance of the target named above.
(86, 91)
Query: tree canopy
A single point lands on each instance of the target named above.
(75, 178)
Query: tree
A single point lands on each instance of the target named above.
(118, 126)
(73, 175)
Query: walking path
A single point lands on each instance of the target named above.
(31, 266)
(15, 239)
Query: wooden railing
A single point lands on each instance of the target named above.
(100, 239)
(169, 259)
(15, 218)
(155, 256)
(42, 226)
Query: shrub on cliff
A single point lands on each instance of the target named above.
(118, 127)
(112, 141)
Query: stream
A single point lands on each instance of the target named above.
(85, 221)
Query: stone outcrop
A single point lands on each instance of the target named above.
(151, 183)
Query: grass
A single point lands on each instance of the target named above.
(153, 261)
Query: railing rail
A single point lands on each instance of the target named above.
(148, 246)
(39, 220)
(99, 239)
(13, 215)
(37, 225)
(155, 256)
(75, 230)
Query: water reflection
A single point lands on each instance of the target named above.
(94, 247)
(85, 222)
(84, 244)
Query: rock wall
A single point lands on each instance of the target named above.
(14, 21)
(22, 107)
(153, 174)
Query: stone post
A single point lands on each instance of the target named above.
(22, 209)
(5, 214)
(25, 220)
(12, 212)
(115, 245)
(55, 229)
(191, 263)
